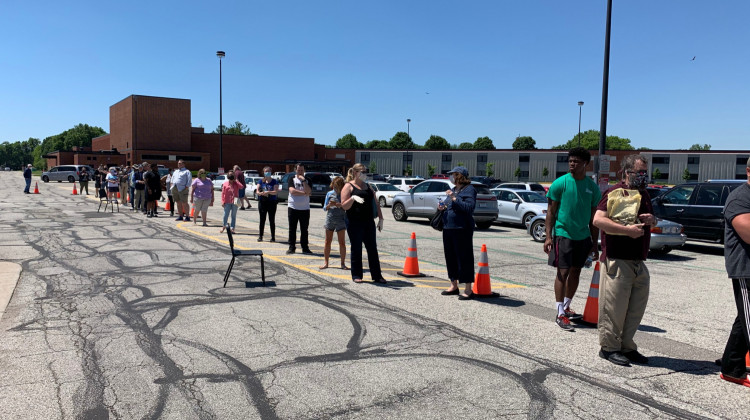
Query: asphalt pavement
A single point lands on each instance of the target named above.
(115, 315)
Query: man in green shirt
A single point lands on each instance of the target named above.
(571, 235)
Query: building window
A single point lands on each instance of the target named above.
(562, 158)
(447, 157)
(524, 174)
(365, 157)
(188, 158)
(523, 158)
(480, 172)
(694, 160)
(558, 174)
(742, 160)
(408, 158)
(664, 175)
(158, 157)
(482, 158)
(660, 160)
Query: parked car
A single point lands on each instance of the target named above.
(70, 173)
(530, 186)
(440, 176)
(278, 175)
(334, 174)
(405, 184)
(218, 181)
(251, 185)
(698, 207)
(422, 201)
(385, 192)
(484, 180)
(319, 183)
(655, 191)
(251, 173)
(7, 168)
(518, 206)
(665, 236)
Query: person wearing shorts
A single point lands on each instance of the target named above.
(571, 235)
(201, 195)
(181, 180)
(113, 185)
(335, 222)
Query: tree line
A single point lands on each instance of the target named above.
(18, 154)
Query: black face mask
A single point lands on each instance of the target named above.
(638, 180)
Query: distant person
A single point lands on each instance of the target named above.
(123, 176)
(139, 188)
(230, 193)
(153, 188)
(83, 180)
(167, 181)
(299, 209)
(267, 201)
(181, 180)
(201, 195)
(361, 208)
(335, 222)
(458, 232)
(99, 183)
(737, 262)
(27, 179)
(624, 216)
(113, 185)
(571, 236)
(240, 177)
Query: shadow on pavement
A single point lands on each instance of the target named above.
(648, 328)
(669, 257)
(692, 367)
(501, 301)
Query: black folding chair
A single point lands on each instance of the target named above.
(109, 204)
(242, 253)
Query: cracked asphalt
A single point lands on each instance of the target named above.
(119, 316)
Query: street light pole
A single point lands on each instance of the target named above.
(408, 136)
(221, 55)
(580, 105)
(605, 91)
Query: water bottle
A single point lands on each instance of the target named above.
(589, 260)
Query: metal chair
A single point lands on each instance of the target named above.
(242, 253)
(106, 202)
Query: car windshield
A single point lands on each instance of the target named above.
(412, 181)
(387, 187)
(531, 197)
(482, 189)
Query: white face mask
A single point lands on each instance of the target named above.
(452, 179)
(363, 176)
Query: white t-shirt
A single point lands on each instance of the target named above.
(181, 178)
(298, 202)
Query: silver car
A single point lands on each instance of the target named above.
(665, 236)
(385, 192)
(70, 173)
(422, 201)
(518, 206)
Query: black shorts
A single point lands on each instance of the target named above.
(567, 253)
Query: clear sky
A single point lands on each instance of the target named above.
(322, 69)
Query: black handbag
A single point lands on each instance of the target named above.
(437, 220)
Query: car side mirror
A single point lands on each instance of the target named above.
(515, 200)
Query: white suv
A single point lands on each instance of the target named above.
(405, 184)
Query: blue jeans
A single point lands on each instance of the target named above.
(230, 208)
(363, 232)
(28, 184)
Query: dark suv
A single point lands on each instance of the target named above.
(319, 183)
(699, 207)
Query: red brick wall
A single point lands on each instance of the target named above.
(101, 143)
(238, 150)
(121, 125)
(162, 123)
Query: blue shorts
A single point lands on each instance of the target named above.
(242, 193)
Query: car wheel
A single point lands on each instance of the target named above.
(71, 178)
(527, 218)
(45, 178)
(382, 201)
(539, 231)
(399, 212)
(484, 225)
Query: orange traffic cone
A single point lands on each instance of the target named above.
(411, 264)
(591, 311)
(36, 188)
(747, 361)
(75, 190)
(167, 207)
(118, 194)
(192, 212)
(482, 287)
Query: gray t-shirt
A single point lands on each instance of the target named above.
(297, 202)
(736, 251)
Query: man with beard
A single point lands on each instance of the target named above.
(624, 216)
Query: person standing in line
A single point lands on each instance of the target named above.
(240, 177)
(571, 237)
(359, 201)
(139, 187)
(335, 222)
(167, 181)
(624, 216)
(98, 192)
(123, 176)
(267, 202)
(113, 185)
(201, 195)
(27, 179)
(299, 209)
(83, 180)
(458, 232)
(737, 262)
(153, 188)
(181, 180)
(131, 187)
(230, 192)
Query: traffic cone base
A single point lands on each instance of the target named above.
(75, 191)
(36, 188)
(167, 207)
(411, 264)
(591, 311)
(482, 287)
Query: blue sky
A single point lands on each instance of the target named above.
(323, 69)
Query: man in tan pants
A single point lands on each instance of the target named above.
(624, 218)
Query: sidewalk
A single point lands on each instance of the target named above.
(9, 275)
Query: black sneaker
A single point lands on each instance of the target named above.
(306, 251)
(635, 357)
(563, 322)
(572, 315)
(290, 251)
(260, 239)
(615, 357)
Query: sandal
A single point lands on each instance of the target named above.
(344, 267)
(323, 267)
(357, 280)
(222, 230)
(470, 296)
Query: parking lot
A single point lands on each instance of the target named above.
(121, 315)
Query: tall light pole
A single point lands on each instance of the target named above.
(580, 105)
(221, 55)
(408, 136)
(605, 91)
(408, 121)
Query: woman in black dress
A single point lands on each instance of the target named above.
(153, 188)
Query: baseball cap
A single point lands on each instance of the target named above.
(459, 170)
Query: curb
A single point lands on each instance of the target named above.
(9, 275)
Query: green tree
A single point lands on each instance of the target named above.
(590, 141)
(349, 141)
(408, 170)
(656, 174)
(401, 141)
(697, 146)
(431, 170)
(377, 144)
(517, 172)
(237, 129)
(80, 135)
(524, 143)
(459, 164)
(545, 172)
(490, 169)
(373, 168)
(685, 174)
(437, 143)
(484, 143)
(466, 145)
